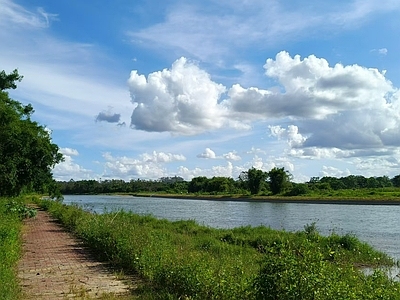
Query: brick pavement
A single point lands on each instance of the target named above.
(57, 266)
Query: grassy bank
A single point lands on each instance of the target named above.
(183, 260)
(12, 211)
(377, 196)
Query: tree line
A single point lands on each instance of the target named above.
(277, 181)
(27, 154)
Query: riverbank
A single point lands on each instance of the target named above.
(182, 259)
(278, 199)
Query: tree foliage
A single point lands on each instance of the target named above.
(7, 81)
(27, 154)
(254, 179)
(279, 180)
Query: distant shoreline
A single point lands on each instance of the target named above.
(349, 201)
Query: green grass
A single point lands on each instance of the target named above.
(372, 194)
(183, 260)
(11, 213)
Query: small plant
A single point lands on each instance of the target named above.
(23, 211)
(311, 229)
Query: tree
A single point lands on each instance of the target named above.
(198, 184)
(279, 180)
(396, 181)
(27, 154)
(220, 185)
(254, 179)
(7, 81)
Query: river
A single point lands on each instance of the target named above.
(377, 225)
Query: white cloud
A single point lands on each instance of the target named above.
(358, 106)
(161, 157)
(227, 170)
(208, 153)
(232, 156)
(328, 171)
(188, 174)
(291, 134)
(319, 153)
(69, 151)
(149, 165)
(69, 169)
(182, 100)
(254, 150)
(339, 107)
(223, 171)
(312, 89)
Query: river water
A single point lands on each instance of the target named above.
(377, 225)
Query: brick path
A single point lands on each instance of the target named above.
(57, 266)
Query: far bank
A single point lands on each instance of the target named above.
(279, 199)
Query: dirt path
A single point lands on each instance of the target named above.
(57, 266)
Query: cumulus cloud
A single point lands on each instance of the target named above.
(232, 156)
(148, 165)
(69, 151)
(181, 100)
(68, 169)
(335, 111)
(311, 89)
(333, 172)
(227, 170)
(208, 153)
(319, 153)
(341, 110)
(356, 105)
(161, 157)
(291, 134)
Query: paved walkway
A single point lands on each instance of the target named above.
(57, 266)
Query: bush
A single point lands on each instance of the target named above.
(304, 273)
(298, 189)
(18, 208)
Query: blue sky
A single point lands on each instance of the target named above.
(148, 89)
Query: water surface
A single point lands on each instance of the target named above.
(376, 224)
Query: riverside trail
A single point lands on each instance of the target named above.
(55, 265)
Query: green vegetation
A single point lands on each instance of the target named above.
(183, 260)
(27, 154)
(11, 213)
(252, 184)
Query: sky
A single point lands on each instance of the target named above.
(150, 89)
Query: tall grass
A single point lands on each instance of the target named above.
(185, 260)
(10, 246)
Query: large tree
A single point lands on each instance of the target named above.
(253, 179)
(279, 180)
(27, 154)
